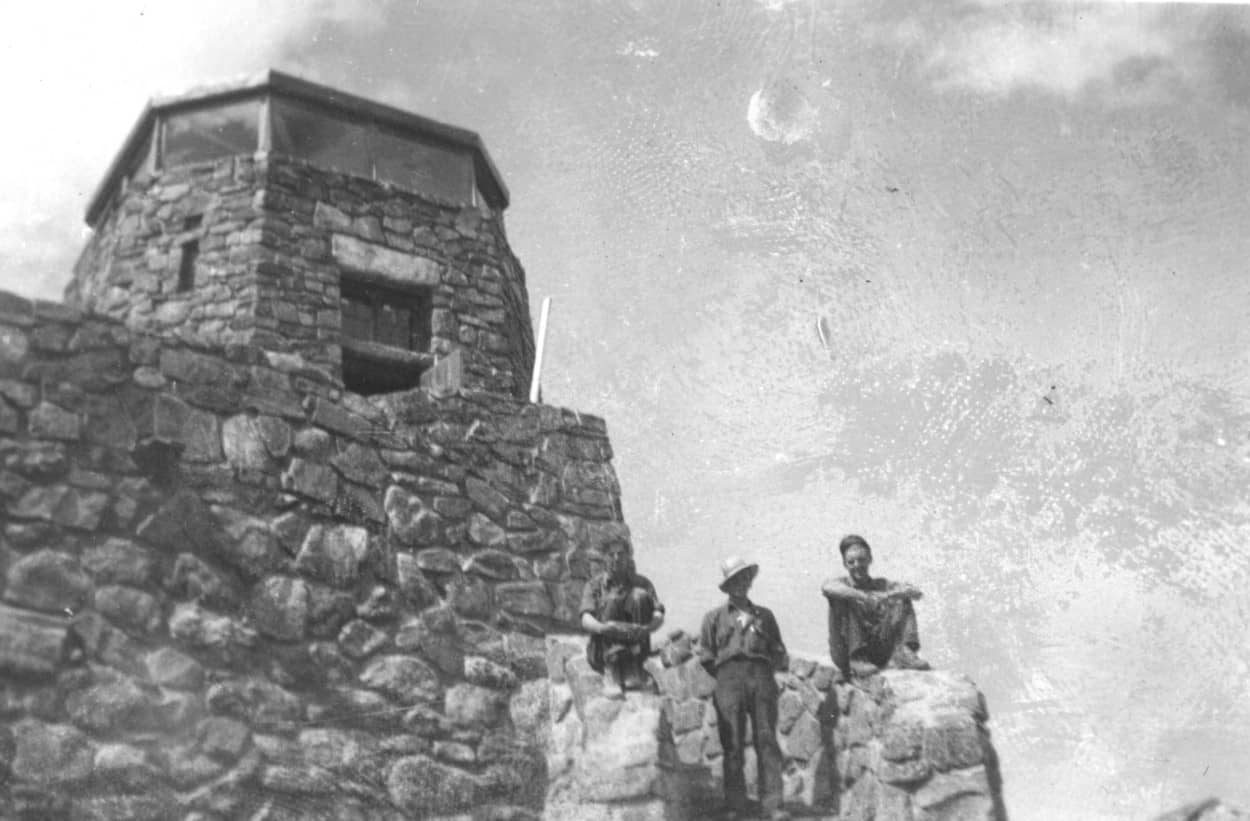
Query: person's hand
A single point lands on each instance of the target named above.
(624, 631)
(907, 591)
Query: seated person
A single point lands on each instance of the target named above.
(620, 611)
(871, 621)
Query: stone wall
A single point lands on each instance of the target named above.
(274, 237)
(899, 746)
(231, 590)
(128, 269)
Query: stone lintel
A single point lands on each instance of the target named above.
(383, 264)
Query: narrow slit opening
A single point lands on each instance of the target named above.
(186, 265)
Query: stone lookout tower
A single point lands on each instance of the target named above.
(294, 218)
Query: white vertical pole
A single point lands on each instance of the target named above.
(536, 379)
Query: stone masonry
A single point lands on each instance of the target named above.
(275, 235)
(231, 590)
(900, 746)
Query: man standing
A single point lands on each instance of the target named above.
(871, 621)
(741, 646)
(620, 611)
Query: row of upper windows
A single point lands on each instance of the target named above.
(326, 139)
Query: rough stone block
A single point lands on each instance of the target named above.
(125, 766)
(421, 786)
(279, 607)
(495, 565)
(952, 741)
(193, 578)
(414, 587)
(50, 754)
(904, 772)
(223, 739)
(471, 705)
(412, 523)
(31, 643)
(403, 678)
(254, 442)
(360, 464)
(393, 266)
(333, 553)
(61, 505)
(957, 794)
(183, 521)
(169, 668)
(684, 716)
(524, 598)
(308, 478)
(210, 631)
(438, 560)
(803, 740)
(254, 701)
(114, 703)
(129, 607)
(47, 580)
(120, 561)
(358, 639)
(789, 708)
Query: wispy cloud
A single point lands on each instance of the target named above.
(74, 75)
(1126, 52)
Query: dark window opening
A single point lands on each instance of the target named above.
(186, 265)
(386, 336)
(192, 222)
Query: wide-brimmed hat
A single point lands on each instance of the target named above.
(735, 565)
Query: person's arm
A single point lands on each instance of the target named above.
(839, 589)
(657, 614)
(616, 630)
(776, 647)
(903, 590)
(598, 627)
(707, 643)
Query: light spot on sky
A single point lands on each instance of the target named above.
(780, 112)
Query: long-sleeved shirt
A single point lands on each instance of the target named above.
(750, 633)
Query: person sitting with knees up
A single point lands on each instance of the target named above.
(872, 623)
(620, 611)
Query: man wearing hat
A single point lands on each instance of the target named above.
(741, 646)
(872, 623)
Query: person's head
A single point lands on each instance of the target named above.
(856, 556)
(737, 576)
(619, 559)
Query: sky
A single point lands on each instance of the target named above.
(966, 277)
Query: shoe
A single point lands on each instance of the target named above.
(905, 658)
(863, 669)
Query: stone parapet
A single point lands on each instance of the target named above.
(230, 590)
(899, 746)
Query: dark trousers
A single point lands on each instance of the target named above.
(870, 631)
(635, 606)
(745, 688)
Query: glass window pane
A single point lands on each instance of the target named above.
(320, 137)
(209, 133)
(416, 166)
(357, 319)
(393, 322)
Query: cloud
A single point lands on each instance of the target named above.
(1130, 52)
(74, 77)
